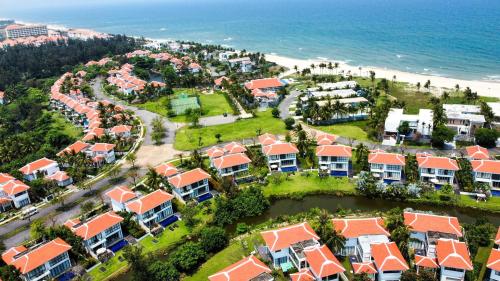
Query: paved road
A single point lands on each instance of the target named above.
(286, 102)
(218, 120)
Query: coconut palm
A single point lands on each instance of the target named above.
(153, 179)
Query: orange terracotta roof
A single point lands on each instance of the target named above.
(427, 222)
(386, 256)
(94, 226)
(215, 151)
(77, 147)
(364, 267)
(231, 160)
(381, 157)
(353, 228)
(121, 194)
(453, 253)
(121, 129)
(94, 133)
(234, 147)
(322, 261)
(244, 270)
(303, 275)
(334, 150)
(14, 187)
(36, 166)
(486, 166)
(59, 176)
(425, 261)
(267, 139)
(8, 256)
(325, 139)
(280, 148)
(103, 147)
(218, 81)
(189, 177)
(264, 83)
(148, 202)
(497, 237)
(166, 170)
(284, 237)
(477, 152)
(4, 177)
(434, 162)
(40, 255)
(494, 260)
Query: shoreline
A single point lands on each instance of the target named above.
(438, 83)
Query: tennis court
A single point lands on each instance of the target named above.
(184, 102)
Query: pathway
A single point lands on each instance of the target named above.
(286, 102)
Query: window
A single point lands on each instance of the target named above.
(453, 269)
(377, 166)
(393, 167)
(58, 270)
(57, 259)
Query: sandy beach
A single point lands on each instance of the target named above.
(483, 88)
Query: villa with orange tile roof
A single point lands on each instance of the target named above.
(436, 170)
(101, 231)
(44, 261)
(265, 84)
(453, 259)
(119, 196)
(281, 156)
(231, 164)
(103, 152)
(477, 152)
(325, 139)
(191, 185)
(166, 170)
(388, 261)
(302, 275)
(12, 192)
(61, 178)
(323, 264)
(334, 159)
(77, 147)
(124, 131)
(493, 262)
(287, 244)
(152, 209)
(386, 166)
(426, 263)
(43, 166)
(487, 171)
(247, 269)
(360, 234)
(218, 82)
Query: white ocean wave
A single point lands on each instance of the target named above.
(399, 56)
(492, 78)
(228, 39)
(322, 58)
(163, 29)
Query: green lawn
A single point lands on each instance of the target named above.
(187, 138)
(493, 203)
(61, 124)
(481, 257)
(158, 106)
(300, 185)
(112, 266)
(355, 130)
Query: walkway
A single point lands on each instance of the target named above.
(286, 102)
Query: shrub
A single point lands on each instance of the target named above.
(289, 122)
(188, 256)
(486, 137)
(213, 239)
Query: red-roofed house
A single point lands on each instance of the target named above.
(386, 166)
(77, 147)
(437, 170)
(334, 159)
(388, 260)
(123, 131)
(191, 185)
(13, 191)
(367, 268)
(477, 152)
(281, 156)
(266, 84)
(323, 264)
(44, 261)
(166, 170)
(267, 139)
(247, 269)
(44, 166)
(453, 258)
(302, 275)
(104, 151)
(101, 231)
(61, 178)
(325, 139)
(487, 171)
(234, 147)
(218, 82)
(493, 264)
(287, 244)
(360, 234)
(152, 209)
(425, 263)
(231, 164)
(119, 196)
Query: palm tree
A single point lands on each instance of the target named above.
(360, 70)
(328, 234)
(418, 86)
(296, 68)
(336, 67)
(338, 109)
(313, 66)
(445, 95)
(153, 179)
(372, 77)
(330, 67)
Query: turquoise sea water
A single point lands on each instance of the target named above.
(452, 38)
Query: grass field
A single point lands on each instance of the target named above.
(301, 185)
(61, 124)
(187, 138)
(355, 130)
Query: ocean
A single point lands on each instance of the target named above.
(449, 38)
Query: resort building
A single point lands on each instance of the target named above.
(218, 82)
(265, 98)
(360, 234)
(154, 208)
(386, 166)
(493, 262)
(302, 275)
(453, 259)
(231, 164)
(420, 125)
(436, 170)
(463, 119)
(323, 264)
(119, 196)
(286, 245)
(124, 131)
(322, 93)
(166, 170)
(191, 185)
(281, 156)
(487, 171)
(247, 269)
(101, 231)
(243, 65)
(265, 89)
(103, 152)
(325, 139)
(477, 152)
(388, 261)
(17, 31)
(13, 193)
(43, 261)
(75, 148)
(334, 159)
(355, 108)
(44, 167)
(61, 178)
